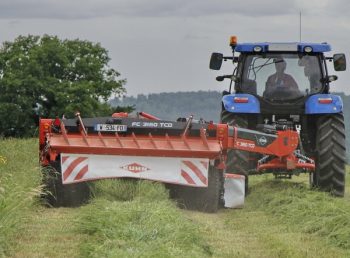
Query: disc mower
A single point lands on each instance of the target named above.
(187, 154)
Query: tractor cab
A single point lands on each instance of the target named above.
(280, 73)
(280, 77)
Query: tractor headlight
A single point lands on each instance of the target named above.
(308, 49)
(257, 49)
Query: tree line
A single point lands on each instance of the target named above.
(172, 105)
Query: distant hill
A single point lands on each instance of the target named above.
(201, 104)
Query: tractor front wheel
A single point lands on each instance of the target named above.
(237, 161)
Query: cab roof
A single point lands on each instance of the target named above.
(283, 47)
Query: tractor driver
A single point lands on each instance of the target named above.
(280, 84)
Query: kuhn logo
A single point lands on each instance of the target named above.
(134, 168)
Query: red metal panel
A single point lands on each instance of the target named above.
(136, 145)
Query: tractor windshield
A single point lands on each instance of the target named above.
(281, 76)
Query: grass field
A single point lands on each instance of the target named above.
(281, 218)
(19, 185)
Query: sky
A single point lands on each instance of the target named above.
(165, 46)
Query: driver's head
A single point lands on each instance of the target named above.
(280, 65)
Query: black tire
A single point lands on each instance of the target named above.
(237, 161)
(330, 155)
(58, 195)
(205, 199)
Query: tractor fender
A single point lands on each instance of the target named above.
(241, 103)
(323, 104)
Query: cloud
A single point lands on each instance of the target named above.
(84, 9)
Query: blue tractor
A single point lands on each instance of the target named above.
(286, 85)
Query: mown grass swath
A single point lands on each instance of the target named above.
(131, 218)
(305, 210)
(19, 185)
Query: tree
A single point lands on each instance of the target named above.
(48, 77)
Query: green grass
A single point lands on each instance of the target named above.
(280, 218)
(310, 211)
(49, 233)
(136, 219)
(19, 185)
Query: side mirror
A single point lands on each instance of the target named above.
(339, 62)
(216, 61)
(332, 78)
(329, 78)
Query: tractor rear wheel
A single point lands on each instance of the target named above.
(206, 199)
(330, 155)
(237, 161)
(60, 195)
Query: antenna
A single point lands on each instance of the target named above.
(300, 26)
